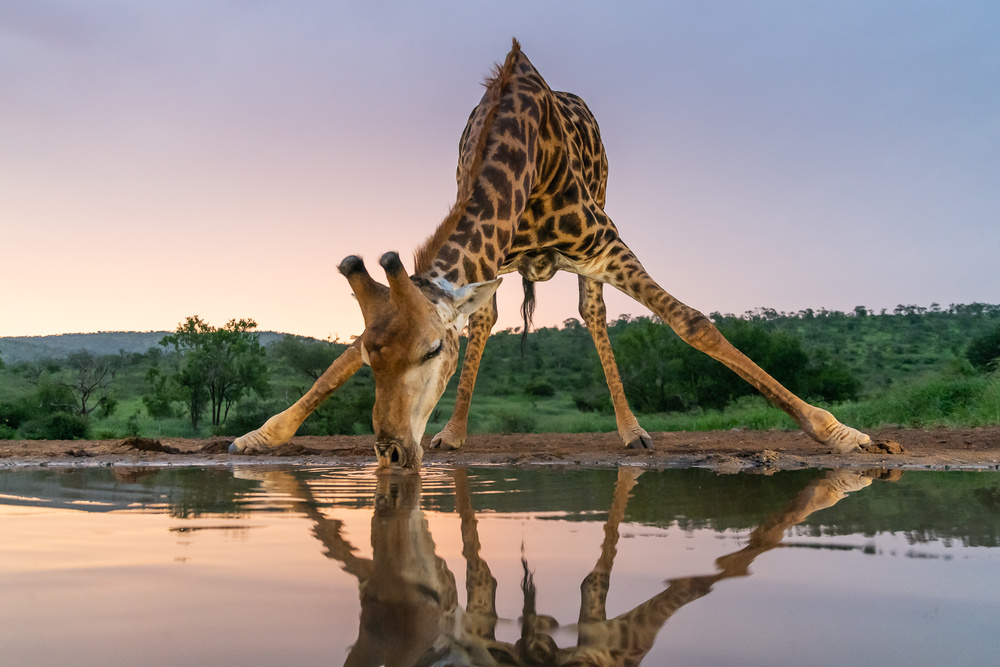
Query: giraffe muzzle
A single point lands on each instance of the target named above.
(392, 455)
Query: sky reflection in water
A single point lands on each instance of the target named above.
(324, 566)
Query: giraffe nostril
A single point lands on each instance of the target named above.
(390, 452)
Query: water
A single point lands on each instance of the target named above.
(333, 566)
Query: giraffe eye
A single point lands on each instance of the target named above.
(434, 351)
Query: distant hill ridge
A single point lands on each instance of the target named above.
(15, 349)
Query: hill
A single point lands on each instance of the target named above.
(15, 349)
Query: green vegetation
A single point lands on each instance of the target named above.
(912, 367)
(215, 366)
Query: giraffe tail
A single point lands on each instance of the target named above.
(527, 309)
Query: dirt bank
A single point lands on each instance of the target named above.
(725, 451)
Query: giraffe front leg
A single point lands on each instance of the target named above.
(698, 331)
(595, 316)
(481, 322)
(280, 428)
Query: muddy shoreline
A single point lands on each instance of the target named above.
(723, 451)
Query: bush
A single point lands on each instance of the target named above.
(508, 422)
(539, 387)
(132, 425)
(108, 406)
(593, 399)
(63, 426)
(346, 412)
(7, 433)
(831, 381)
(984, 352)
(663, 374)
(249, 414)
(12, 415)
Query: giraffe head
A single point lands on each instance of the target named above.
(411, 343)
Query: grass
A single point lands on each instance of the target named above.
(131, 418)
(953, 399)
(950, 401)
(558, 414)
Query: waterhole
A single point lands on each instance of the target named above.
(328, 565)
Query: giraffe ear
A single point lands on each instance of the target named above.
(467, 299)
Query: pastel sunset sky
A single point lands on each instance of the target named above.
(219, 158)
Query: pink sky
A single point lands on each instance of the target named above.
(160, 160)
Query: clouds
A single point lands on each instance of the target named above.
(220, 158)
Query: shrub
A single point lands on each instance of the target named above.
(507, 422)
(539, 387)
(663, 374)
(12, 415)
(249, 413)
(831, 380)
(348, 411)
(984, 351)
(132, 425)
(63, 426)
(593, 400)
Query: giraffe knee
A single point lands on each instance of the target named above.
(698, 331)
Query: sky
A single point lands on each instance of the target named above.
(219, 158)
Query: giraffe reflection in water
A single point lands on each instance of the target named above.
(410, 614)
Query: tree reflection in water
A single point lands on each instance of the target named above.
(410, 613)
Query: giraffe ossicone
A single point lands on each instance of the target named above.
(532, 177)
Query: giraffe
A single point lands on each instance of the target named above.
(532, 175)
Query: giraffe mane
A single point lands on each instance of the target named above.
(495, 84)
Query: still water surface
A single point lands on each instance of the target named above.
(335, 566)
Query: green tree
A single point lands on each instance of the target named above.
(348, 411)
(652, 365)
(304, 355)
(159, 400)
(661, 373)
(219, 366)
(984, 351)
(50, 411)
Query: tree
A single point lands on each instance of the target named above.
(311, 357)
(984, 351)
(159, 401)
(91, 378)
(661, 373)
(219, 366)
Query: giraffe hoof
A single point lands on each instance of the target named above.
(238, 448)
(443, 442)
(641, 441)
(847, 439)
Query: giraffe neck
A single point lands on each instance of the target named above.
(475, 251)
(497, 172)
